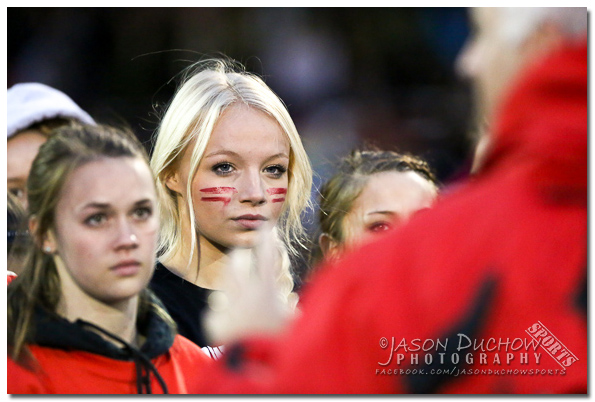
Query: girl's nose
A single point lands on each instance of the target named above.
(252, 189)
(126, 237)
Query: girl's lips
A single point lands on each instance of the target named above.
(252, 217)
(127, 268)
(250, 221)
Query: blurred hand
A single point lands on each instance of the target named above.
(250, 301)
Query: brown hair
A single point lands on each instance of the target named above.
(38, 286)
(47, 127)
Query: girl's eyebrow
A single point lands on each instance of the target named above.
(381, 212)
(96, 205)
(105, 205)
(222, 152)
(279, 155)
(235, 154)
(143, 201)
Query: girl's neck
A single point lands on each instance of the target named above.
(118, 318)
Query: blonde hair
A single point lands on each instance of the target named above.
(208, 88)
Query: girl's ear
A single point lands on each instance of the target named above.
(45, 241)
(33, 227)
(330, 248)
(174, 183)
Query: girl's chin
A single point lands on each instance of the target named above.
(242, 241)
(243, 245)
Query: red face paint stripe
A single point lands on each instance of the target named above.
(218, 190)
(278, 200)
(278, 190)
(225, 200)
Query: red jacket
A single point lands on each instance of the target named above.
(464, 288)
(68, 358)
(77, 372)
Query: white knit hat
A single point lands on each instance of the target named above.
(32, 102)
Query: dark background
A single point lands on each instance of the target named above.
(348, 75)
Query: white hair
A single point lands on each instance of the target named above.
(517, 23)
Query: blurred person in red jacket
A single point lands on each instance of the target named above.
(487, 291)
(80, 317)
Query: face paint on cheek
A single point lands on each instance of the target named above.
(277, 191)
(225, 200)
(218, 190)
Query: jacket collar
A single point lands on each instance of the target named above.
(56, 332)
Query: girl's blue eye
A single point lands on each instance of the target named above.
(276, 170)
(223, 168)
